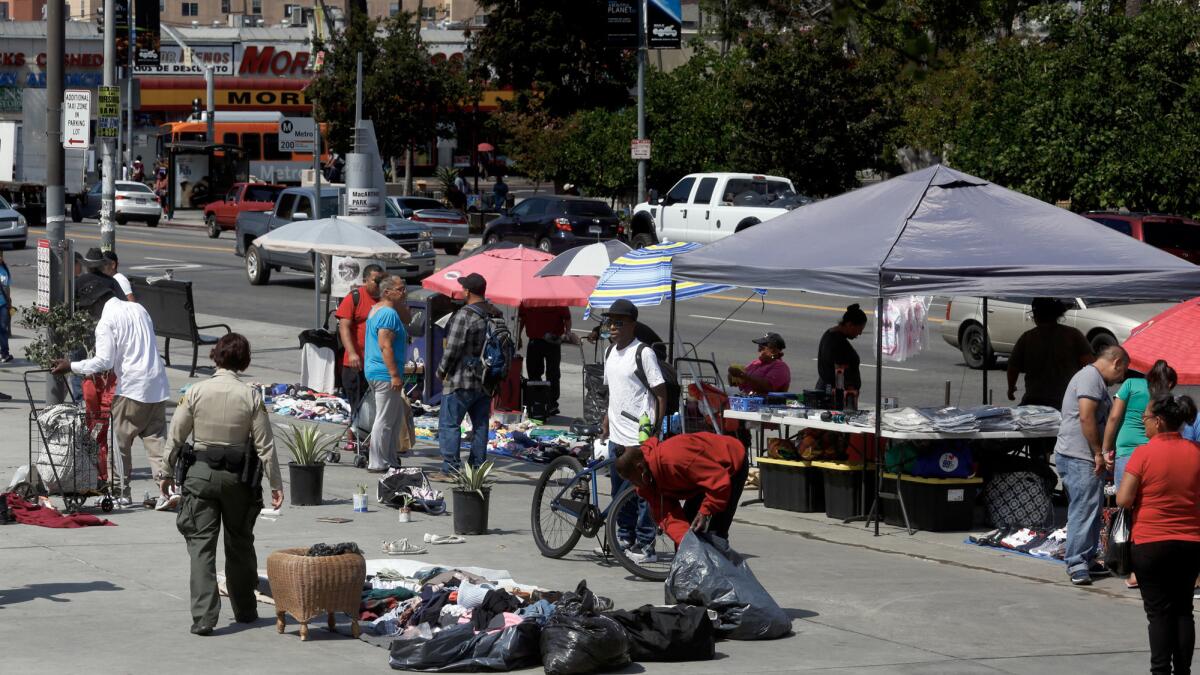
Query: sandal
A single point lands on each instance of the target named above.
(401, 547)
(444, 539)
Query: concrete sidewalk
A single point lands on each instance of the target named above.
(114, 599)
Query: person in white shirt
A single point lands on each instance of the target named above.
(635, 386)
(125, 344)
(121, 279)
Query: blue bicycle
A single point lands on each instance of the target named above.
(566, 507)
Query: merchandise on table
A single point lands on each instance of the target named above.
(905, 329)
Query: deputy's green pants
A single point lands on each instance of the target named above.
(211, 498)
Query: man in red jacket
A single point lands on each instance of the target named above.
(704, 471)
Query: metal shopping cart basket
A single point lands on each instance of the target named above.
(67, 463)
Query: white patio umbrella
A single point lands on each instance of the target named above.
(585, 261)
(330, 236)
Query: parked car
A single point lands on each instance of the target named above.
(222, 214)
(13, 226)
(1103, 322)
(555, 223)
(132, 201)
(1174, 234)
(450, 227)
(705, 207)
(296, 204)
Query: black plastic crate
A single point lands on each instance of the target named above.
(844, 488)
(791, 486)
(933, 504)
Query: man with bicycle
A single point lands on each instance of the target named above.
(635, 387)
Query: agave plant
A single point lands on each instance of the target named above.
(445, 176)
(308, 445)
(474, 478)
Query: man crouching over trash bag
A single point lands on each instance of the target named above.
(692, 483)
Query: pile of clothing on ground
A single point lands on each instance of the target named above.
(949, 419)
(1032, 541)
(528, 441)
(293, 400)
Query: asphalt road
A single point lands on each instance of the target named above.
(220, 287)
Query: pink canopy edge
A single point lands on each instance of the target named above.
(512, 281)
(1170, 336)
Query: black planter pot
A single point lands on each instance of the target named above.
(471, 512)
(307, 481)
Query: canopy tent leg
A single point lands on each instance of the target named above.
(671, 327)
(316, 261)
(987, 343)
(879, 463)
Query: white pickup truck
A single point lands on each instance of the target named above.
(705, 207)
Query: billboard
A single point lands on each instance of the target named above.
(120, 29)
(146, 20)
(623, 21)
(664, 24)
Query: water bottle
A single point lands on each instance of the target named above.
(645, 428)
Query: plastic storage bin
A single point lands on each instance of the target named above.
(844, 488)
(933, 504)
(791, 485)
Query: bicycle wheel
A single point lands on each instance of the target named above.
(654, 569)
(557, 530)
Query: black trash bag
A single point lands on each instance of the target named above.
(572, 645)
(706, 572)
(461, 650)
(582, 602)
(679, 633)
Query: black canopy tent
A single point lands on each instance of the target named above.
(944, 232)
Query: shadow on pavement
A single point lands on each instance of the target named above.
(52, 591)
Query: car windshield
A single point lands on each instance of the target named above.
(588, 208)
(329, 206)
(1172, 234)
(262, 193)
(4, 205)
(133, 187)
(419, 204)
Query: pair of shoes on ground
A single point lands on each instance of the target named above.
(444, 539)
(164, 503)
(7, 358)
(401, 547)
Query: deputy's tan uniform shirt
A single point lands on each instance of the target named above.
(223, 410)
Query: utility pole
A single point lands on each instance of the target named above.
(108, 232)
(56, 214)
(211, 103)
(129, 91)
(641, 98)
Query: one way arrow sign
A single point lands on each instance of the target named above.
(77, 118)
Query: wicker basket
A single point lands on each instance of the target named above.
(306, 586)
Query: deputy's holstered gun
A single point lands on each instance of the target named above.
(187, 457)
(252, 468)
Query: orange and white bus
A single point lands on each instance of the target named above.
(257, 133)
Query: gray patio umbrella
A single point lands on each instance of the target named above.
(585, 261)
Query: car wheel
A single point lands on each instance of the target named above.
(256, 271)
(453, 249)
(324, 277)
(543, 245)
(76, 212)
(1102, 340)
(153, 222)
(642, 240)
(210, 222)
(976, 352)
(491, 239)
(18, 245)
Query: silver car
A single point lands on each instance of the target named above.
(450, 227)
(133, 201)
(1103, 322)
(13, 228)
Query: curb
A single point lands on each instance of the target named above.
(183, 224)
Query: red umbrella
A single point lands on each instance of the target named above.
(512, 279)
(1170, 336)
(485, 147)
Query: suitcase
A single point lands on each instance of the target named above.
(537, 399)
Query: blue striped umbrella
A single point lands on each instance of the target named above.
(644, 278)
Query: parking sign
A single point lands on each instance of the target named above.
(77, 118)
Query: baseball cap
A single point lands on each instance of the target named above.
(474, 283)
(773, 339)
(94, 257)
(623, 307)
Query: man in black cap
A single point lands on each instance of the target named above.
(766, 374)
(97, 265)
(461, 372)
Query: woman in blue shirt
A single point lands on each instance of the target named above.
(384, 350)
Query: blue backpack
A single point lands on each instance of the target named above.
(498, 349)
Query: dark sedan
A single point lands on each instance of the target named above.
(554, 223)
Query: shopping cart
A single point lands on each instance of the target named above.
(702, 395)
(68, 440)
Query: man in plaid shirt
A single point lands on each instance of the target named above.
(461, 372)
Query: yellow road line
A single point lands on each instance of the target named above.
(799, 305)
(159, 244)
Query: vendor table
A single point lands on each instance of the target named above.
(761, 419)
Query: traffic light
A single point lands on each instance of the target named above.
(100, 18)
(196, 108)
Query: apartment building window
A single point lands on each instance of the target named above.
(3, 11)
(225, 7)
(191, 9)
(429, 13)
(393, 8)
(256, 6)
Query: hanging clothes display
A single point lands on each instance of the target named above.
(905, 327)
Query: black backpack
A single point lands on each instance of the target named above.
(670, 376)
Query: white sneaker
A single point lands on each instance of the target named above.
(168, 503)
(444, 539)
(124, 501)
(641, 558)
(401, 547)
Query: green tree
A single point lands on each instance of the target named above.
(595, 151)
(558, 49)
(534, 142)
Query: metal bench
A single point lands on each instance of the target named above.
(173, 311)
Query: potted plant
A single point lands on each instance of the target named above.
(309, 449)
(406, 502)
(360, 498)
(472, 490)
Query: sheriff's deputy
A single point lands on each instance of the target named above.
(233, 449)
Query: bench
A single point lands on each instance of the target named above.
(173, 311)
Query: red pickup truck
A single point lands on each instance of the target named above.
(222, 214)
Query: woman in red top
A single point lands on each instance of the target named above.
(1162, 485)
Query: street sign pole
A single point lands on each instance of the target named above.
(108, 232)
(56, 217)
(641, 99)
(129, 90)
